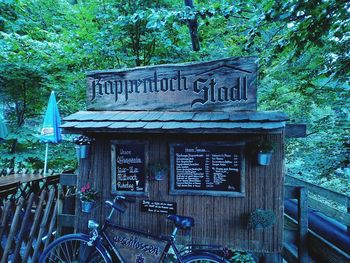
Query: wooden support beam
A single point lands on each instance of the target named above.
(22, 232)
(303, 225)
(295, 130)
(291, 192)
(343, 200)
(34, 228)
(289, 253)
(13, 230)
(341, 216)
(320, 250)
(5, 218)
(44, 222)
(52, 226)
(348, 210)
(66, 220)
(319, 190)
(324, 251)
(68, 179)
(272, 258)
(193, 26)
(300, 193)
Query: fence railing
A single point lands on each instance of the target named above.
(341, 200)
(9, 171)
(27, 226)
(300, 193)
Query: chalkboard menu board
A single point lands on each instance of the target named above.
(207, 169)
(129, 159)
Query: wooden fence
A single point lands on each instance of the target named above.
(27, 226)
(340, 200)
(8, 171)
(296, 231)
(299, 193)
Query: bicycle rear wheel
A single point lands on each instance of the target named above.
(203, 258)
(74, 248)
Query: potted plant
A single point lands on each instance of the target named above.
(87, 198)
(159, 171)
(265, 150)
(241, 256)
(260, 219)
(82, 145)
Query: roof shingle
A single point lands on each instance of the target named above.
(156, 120)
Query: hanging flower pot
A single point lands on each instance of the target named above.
(82, 151)
(87, 198)
(86, 206)
(82, 146)
(264, 158)
(264, 152)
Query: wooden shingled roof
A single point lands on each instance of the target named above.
(157, 121)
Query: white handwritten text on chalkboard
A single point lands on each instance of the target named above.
(206, 168)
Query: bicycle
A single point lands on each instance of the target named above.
(113, 243)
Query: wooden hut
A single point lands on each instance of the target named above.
(199, 123)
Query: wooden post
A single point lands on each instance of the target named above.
(193, 26)
(302, 225)
(43, 224)
(66, 204)
(81, 218)
(13, 230)
(34, 228)
(348, 210)
(5, 217)
(22, 231)
(272, 258)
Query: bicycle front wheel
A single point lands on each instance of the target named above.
(203, 258)
(74, 248)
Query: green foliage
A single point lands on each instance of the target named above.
(265, 146)
(303, 64)
(87, 193)
(261, 219)
(240, 256)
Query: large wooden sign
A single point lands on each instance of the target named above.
(227, 84)
(207, 169)
(129, 160)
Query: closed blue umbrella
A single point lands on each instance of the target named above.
(51, 132)
(3, 129)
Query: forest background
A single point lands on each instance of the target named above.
(302, 46)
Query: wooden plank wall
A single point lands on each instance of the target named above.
(218, 220)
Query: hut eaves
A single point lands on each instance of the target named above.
(172, 121)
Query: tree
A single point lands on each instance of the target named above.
(302, 48)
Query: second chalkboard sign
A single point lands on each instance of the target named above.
(129, 160)
(207, 169)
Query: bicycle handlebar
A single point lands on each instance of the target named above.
(129, 199)
(118, 204)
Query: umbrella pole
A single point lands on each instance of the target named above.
(46, 153)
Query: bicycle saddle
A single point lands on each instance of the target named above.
(182, 222)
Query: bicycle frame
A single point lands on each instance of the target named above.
(117, 243)
(132, 244)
